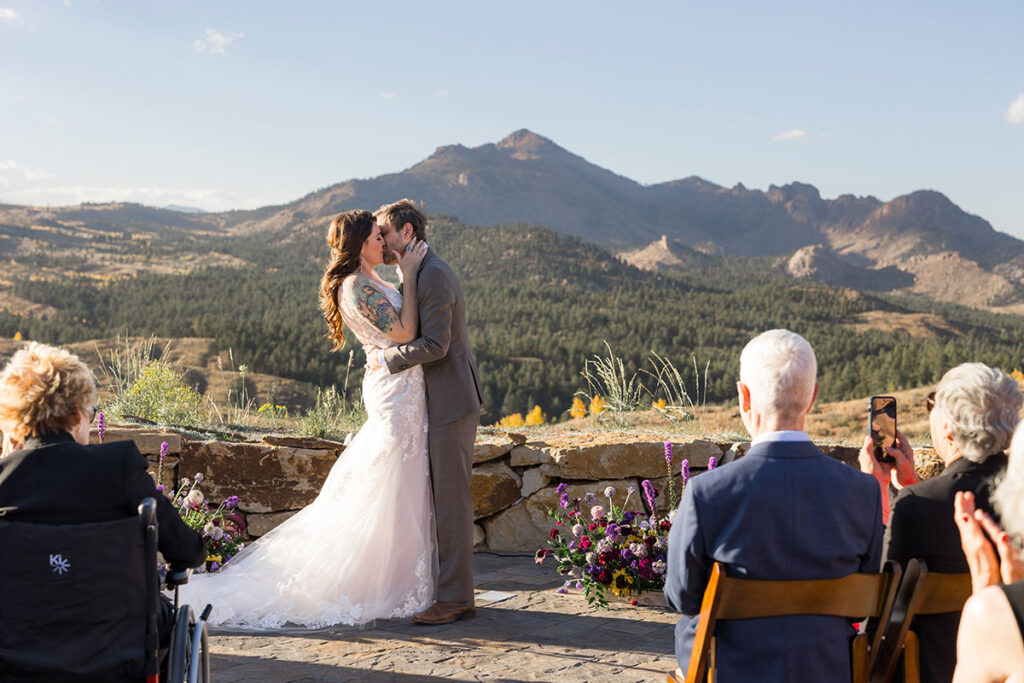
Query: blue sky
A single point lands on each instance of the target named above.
(224, 104)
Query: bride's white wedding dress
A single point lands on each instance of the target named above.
(363, 550)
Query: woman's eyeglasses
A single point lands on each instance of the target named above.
(929, 401)
(92, 414)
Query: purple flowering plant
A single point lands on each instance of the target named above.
(621, 548)
(220, 526)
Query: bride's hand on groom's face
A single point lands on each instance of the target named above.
(410, 258)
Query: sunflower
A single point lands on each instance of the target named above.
(621, 581)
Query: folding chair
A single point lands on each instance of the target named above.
(920, 593)
(857, 596)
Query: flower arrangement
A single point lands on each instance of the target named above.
(614, 548)
(220, 528)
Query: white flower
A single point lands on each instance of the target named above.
(638, 549)
(577, 573)
(577, 530)
(659, 567)
(218, 533)
(591, 558)
(609, 492)
(208, 528)
(195, 498)
(672, 515)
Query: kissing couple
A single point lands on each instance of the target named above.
(390, 534)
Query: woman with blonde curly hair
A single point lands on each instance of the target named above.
(49, 474)
(45, 391)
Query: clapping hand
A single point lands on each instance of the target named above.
(976, 528)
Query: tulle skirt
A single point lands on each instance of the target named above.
(363, 550)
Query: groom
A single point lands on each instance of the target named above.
(453, 407)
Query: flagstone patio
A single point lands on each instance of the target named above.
(523, 631)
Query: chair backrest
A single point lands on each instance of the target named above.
(920, 592)
(79, 598)
(857, 596)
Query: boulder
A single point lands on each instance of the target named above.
(534, 480)
(495, 486)
(265, 478)
(479, 537)
(616, 456)
(534, 453)
(489, 448)
(524, 527)
(308, 442)
(147, 439)
(259, 524)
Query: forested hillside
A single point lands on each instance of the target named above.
(539, 304)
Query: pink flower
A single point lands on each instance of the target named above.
(597, 512)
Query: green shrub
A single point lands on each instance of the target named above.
(161, 395)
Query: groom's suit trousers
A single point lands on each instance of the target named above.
(451, 468)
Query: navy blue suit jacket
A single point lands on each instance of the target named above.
(783, 511)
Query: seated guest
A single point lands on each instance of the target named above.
(784, 511)
(990, 646)
(49, 474)
(972, 418)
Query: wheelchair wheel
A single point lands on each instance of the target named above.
(181, 645)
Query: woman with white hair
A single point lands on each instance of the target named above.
(972, 414)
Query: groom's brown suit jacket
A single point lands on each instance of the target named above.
(442, 347)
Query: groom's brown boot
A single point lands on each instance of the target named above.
(446, 612)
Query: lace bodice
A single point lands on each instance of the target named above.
(365, 331)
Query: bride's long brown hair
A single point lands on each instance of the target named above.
(345, 237)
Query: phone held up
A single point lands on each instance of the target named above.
(882, 426)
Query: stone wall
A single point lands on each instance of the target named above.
(514, 477)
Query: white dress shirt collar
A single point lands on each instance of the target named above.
(785, 435)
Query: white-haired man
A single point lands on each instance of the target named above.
(783, 511)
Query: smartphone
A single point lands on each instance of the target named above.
(882, 425)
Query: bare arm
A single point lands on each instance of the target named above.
(988, 645)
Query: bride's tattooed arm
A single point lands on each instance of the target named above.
(374, 306)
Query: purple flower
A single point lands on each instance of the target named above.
(214, 566)
(227, 558)
(562, 488)
(612, 532)
(686, 471)
(712, 463)
(564, 588)
(579, 585)
(626, 554)
(571, 545)
(668, 453)
(164, 450)
(160, 488)
(649, 493)
(564, 501)
(101, 426)
(231, 503)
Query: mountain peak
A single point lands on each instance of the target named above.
(525, 144)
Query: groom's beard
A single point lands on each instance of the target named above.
(389, 257)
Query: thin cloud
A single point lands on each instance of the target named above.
(388, 96)
(66, 195)
(1015, 112)
(27, 173)
(792, 134)
(8, 16)
(214, 42)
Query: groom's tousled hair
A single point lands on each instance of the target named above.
(403, 211)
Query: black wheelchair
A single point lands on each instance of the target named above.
(81, 602)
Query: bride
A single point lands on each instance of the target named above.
(363, 550)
